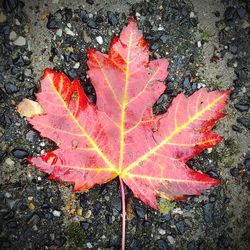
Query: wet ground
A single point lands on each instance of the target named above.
(208, 45)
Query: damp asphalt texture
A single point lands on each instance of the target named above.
(207, 43)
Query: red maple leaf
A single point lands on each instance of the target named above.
(119, 136)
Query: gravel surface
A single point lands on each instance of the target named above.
(207, 43)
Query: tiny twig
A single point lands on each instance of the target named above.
(123, 213)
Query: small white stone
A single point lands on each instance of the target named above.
(89, 245)
(69, 25)
(39, 178)
(137, 14)
(69, 32)
(17, 22)
(160, 27)
(177, 211)
(191, 15)
(162, 231)
(77, 65)
(56, 213)
(3, 18)
(99, 39)
(171, 240)
(9, 162)
(199, 44)
(91, 15)
(201, 85)
(8, 195)
(59, 32)
(88, 214)
(30, 198)
(20, 41)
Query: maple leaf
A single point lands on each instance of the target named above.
(119, 136)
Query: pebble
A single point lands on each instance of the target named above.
(79, 211)
(8, 195)
(12, 36)
(99, 39)
(164, 38)
(171, 239)
(208, 210)
(31, 206)
(191, 15)
(60, 241)
(186, 83)
(162, 245)
(34, 219)
(166, 217)
(10, 88)
(88, 214)
(244, 121)
(74, 57)
(177, 211)
(160, 27)
(17, 22)
(245, 24)
(234, 171)
(194, 21)
(59, 32)
(199, 44)
(3, 18)
(86, 37)
(162, 231)
(233, 49)
(242, 107)
(54, 21)
(76, 65)
(89, 245)
(114, 241)
(83, 15)
(201, 85)
(92, 24)
(56, 213)
(19, 153)
(180, 225)
(241, 12)
(69, 32)
(139, 212)
(9, 162)
(28, 72)
(20, 41)
(18, 61)
(112, 19)
(85, 225)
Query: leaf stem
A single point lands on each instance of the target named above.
(123, 213)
